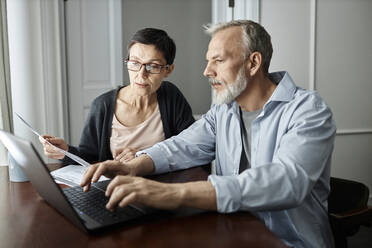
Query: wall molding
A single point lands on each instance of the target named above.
(354, 131)
(220, 11)
(312, 53)
(244, 9)
(116, 48)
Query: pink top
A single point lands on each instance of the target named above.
(137, 137)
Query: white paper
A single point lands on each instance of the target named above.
(71, 175)
(68, 154)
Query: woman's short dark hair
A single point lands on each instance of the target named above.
(157, 37)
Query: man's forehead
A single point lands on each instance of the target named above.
(225, 41)
(233, 32)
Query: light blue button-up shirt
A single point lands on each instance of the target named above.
(287, 185)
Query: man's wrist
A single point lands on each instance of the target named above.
(143, 165)
(199, 194)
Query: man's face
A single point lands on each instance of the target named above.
(225, 68)
(231, 91)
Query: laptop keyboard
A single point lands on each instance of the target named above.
(93, 203)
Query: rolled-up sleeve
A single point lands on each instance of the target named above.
(228, 193)
(157, 156)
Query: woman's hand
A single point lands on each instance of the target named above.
(50, 151)
(125, 155)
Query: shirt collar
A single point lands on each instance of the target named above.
(285, 89)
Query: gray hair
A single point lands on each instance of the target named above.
(254, 38)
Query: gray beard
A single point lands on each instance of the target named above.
(231, 91)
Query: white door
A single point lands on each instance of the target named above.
(94, 55)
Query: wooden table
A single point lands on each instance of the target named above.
(26, 220)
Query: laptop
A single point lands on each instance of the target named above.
(86, 210)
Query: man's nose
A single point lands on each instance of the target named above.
(209, 71)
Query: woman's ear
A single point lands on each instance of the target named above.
(169, 70)
(255, 63)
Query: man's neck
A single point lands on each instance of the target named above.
(258, 91)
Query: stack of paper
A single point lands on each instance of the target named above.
(71, 175)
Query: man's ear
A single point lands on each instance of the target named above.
(255, 63)
(169, 70)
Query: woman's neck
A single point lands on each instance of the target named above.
(135, 101)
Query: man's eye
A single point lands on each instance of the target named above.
(134, 63)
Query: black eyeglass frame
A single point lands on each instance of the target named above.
(147, 65)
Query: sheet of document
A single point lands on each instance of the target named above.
(71, 175)
(68, 154)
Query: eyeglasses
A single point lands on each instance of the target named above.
(152, 68)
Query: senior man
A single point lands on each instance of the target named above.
(272, 142)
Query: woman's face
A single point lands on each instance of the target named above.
(143, 82)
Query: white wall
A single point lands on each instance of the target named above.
(326, 46)
(183, 21)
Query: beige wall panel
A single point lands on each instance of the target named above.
(288, 22)
(344, 61)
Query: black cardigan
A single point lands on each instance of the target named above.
(175, 111)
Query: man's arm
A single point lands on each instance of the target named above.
(192, 147)
(127, 188)
(124, 190)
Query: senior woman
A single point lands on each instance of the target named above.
(131, 118)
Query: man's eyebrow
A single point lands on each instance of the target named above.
(214, 57)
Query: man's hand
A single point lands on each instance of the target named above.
(124, 190)
(125, 155)
(140, 166)
(49, 150)
(109, 168)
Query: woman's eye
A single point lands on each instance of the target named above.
(154, 66)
